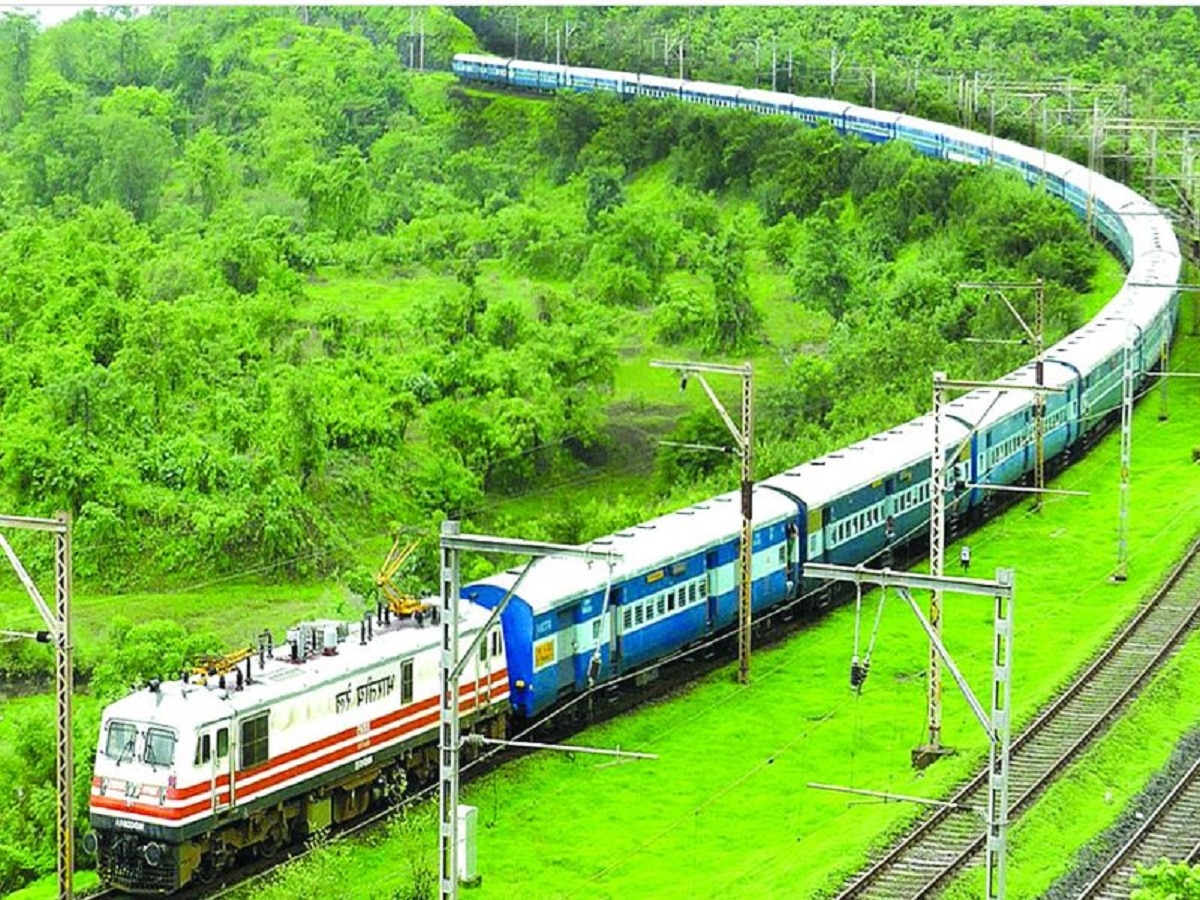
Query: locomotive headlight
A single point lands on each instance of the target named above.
(90, 843)
(153, 854)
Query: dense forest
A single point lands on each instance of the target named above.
(816, 49)
(267, 289)
(176, 185)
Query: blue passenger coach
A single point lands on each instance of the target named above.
(569, 626)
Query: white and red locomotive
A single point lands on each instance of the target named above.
(192, 773)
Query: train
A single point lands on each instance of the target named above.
(192, 774)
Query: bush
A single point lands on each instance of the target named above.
(684, 315)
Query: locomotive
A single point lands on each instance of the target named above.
(188, 775)
(276, 744)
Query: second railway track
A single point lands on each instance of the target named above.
(1171, 831)
(939, 846)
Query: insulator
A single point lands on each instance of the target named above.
(858, 674)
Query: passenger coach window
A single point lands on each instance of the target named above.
(160, 747)
(121, 738)
(254, 741)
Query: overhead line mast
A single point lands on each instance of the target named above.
(744, 440)
(58, 632)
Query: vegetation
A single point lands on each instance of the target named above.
(269, 295)
(1149, 49)
(1167, 881)
(183, 438)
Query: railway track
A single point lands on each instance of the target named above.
(1171, 831)
(947, 840)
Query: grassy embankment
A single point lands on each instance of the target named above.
(725, 810)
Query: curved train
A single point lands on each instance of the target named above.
(192, 773)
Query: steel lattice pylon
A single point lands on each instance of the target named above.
(746, 550)
(58, 632)
(937, 546)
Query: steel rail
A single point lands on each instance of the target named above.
(903, 863)
(1173, 824)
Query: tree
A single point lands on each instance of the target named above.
(136, 150)
(55, 143)
(1166, 881)
(209, 169)
(604, 192)
(735, 319)
(17, 33)
(337, 192)
(823, 276)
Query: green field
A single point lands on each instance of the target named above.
(725, 810)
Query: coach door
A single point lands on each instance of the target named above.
(615, 601)
(713, 589)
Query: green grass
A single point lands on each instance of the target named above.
(47, 888)
(725, 810)
(1044, 842)
(1109, 277)
(366, 297)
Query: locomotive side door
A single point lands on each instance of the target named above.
(222, 764)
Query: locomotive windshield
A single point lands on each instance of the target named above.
(160, 747)
(158, 744)
(120, 743)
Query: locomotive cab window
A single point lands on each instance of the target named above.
(222, 743)
(160, 747)
(120, 742)
(203, 749)
(254, 741)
